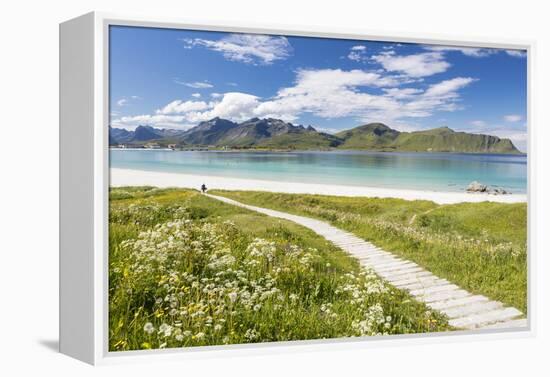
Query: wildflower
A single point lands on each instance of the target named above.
(165, 329)
(251, 334)
(199, 335)
(232, 296)
(149, 328)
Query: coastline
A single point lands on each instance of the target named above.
(128, 177)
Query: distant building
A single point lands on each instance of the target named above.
(152, 146)
(172, 146)
(122, 146)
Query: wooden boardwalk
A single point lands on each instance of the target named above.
(464, 310)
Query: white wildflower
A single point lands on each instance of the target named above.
(149, 328)
(232, 296)
(199, 335)
(165, 329)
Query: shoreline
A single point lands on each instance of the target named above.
(336, 150)
(129, 177)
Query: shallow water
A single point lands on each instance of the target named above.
(419, 171)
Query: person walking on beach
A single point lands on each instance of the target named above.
(203, 188)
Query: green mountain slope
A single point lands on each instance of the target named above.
(377, 136)
(446, 140)
(369, 136)
(303, 140)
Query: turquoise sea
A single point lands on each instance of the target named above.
(421, 171)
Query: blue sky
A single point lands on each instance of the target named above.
(177, 78)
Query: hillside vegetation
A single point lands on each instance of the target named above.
(377, 136)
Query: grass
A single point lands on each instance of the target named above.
(481, 247)
(187, 270)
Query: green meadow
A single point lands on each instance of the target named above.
(188, 270)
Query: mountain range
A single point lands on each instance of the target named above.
(272, 133)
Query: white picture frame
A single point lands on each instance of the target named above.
(84, 178)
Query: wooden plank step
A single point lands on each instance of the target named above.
(409, 276)
(377, 258)
(421, 280)
(441, 296)
(396, 266)
(375, 262)
(395, 260)
(477, 320)
(405, 271)
(434, 289)
(475, 308)
(513, 323)
(426, 284)
(446, 304)
(369, 253)
(366, 262)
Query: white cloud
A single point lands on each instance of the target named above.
(125, 101)
(478, 123)
(448, 88)
(326, 93)
(335, 93)
(180, 107)
(404, 93)
(331, 131)
(358, 53)
(517, 53)
(236, 106)
(417, 65)
(513, 118)
(329, 93)
(196, 95)
(158, 120)
(196, 84)
(475, 52)
(247, 48)
(442, 96)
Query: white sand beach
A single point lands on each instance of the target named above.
(126, 177)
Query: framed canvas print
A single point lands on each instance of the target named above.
(233, 189)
